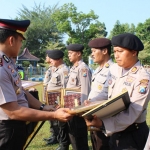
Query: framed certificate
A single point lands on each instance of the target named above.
(54, 97)
(71, 98)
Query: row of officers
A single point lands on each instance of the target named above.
(125, 131)
(127, 74)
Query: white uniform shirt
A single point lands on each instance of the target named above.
(99, 88)
(59, 78)
(137, 82)
(80, 78)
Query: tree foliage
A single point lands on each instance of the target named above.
(41, 30)
(78, 26)
(122, 28)
(143, 32)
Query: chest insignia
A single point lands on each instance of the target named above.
(134, 69)
(99, 87)
(124, 90)
(107, 65)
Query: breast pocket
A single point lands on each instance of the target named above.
(100, 85)
(54, 79)
(73, 79)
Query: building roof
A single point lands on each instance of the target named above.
(26, 55)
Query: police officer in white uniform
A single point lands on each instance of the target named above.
(58, 80)
(14, 107)
(79, 78)
(101, 51)
(128, 129)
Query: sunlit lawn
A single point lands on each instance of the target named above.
(38, 143)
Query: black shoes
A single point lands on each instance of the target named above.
(63, 147)
(48, 139)
(52, 141)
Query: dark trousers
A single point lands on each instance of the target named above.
(78, 133)
(12, 135)
(63, 135)
(133, 138)
(99, 140)
(54, 129)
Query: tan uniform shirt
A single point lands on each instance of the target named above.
(137, 82)
(80, 78)
(47, 76)
(59, 78)
(99, 88)
(10, 85)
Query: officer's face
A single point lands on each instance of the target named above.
(97, 55)
(125, 58)
(47, 60)
(55, 63)
(74, 56)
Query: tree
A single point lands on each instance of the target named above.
(122, 28)
(79, 27)
(41, 30)
(143, 32)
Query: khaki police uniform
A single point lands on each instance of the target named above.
(11, 90)
(129, 127)
(47, 76)
(79, 78)
(58, 78)
(99, 88)
(99, 91)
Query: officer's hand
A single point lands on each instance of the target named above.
(86, 102)
(49, 108)
(62, 115)
(95, 121)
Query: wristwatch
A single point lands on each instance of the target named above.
(42, 106)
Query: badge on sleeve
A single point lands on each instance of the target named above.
(1, 62)
(143, 86)
(65, 74)
(84, 72)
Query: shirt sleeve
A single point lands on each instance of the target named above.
(7, 92)
(85, 79)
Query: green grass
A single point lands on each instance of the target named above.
(38, 143)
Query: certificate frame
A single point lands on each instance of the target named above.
(48, 92)
(69, 91)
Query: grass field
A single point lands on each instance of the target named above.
(39, 144)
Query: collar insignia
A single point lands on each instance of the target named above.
(6, 58)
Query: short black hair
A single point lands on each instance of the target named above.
(4, 34)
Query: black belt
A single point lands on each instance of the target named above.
(9, 122)
(135, 126)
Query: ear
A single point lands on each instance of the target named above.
(105, 51)
(11, 40)
(79, 53)
(134, 53)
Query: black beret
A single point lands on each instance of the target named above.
(128, 41)
(99, 43)
(55, 54)
(15, 25)
(75, 47)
